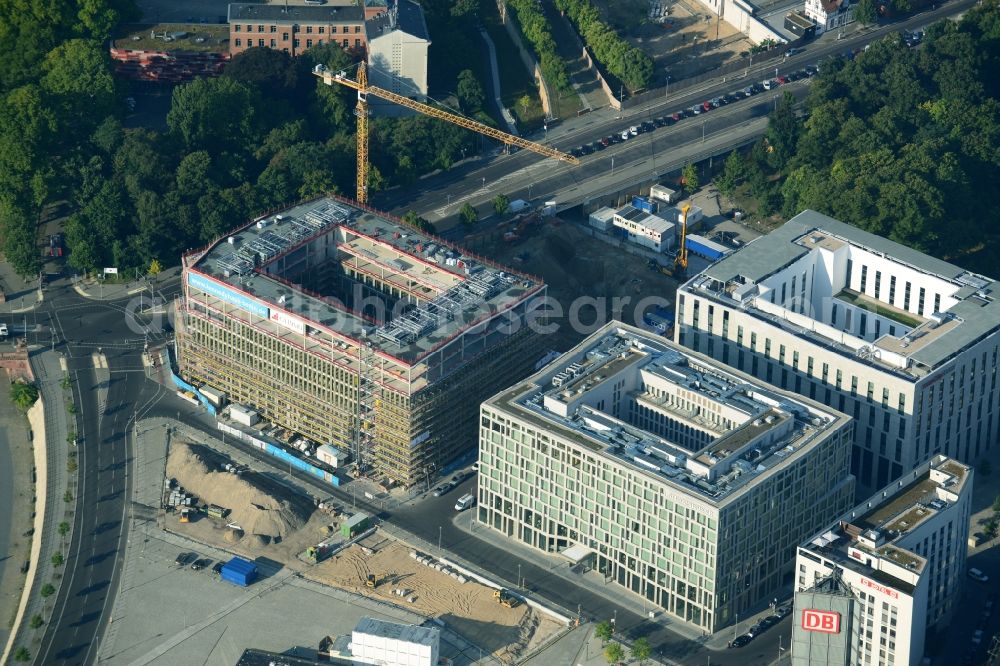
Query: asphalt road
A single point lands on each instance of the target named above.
(526, 175)
(82, 607)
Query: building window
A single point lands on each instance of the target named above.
(864, 279)
(309, 43)
(274, 29)
(260, 42)
(274, 43)
(322, 30)
(892, 289)
(260, 28)
(297, 43)
(309, 29)
(878, 283)
(357, 29)
(357, 43)
(833, 315)
(344, 30)
(847, 277)
(937, 302)
(906, 297)
(296, 28)
(238, 28)
(239, 42)
(284, 36)
(344, 44)
(920, 301)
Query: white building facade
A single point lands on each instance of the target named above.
(398, 44)
(381, 642)
(679, 480)
(902, 556)
(645, 228)
(829, 14)
(905, 343)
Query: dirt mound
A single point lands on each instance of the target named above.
(258, 511)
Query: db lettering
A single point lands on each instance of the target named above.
(826, 622)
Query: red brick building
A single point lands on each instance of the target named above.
(295, 28)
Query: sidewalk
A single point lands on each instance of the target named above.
(22, 295)
(594, 582)
(101, 290)
(48, 374)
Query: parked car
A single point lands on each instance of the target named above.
(782, 80)
(586, 149)
(647, 127)
(812, 70)
(769, 622)
(626, 136)
(599, 145)
(443, 489)
(677, 115)
(768, 84)
(696, 110)
(634, 130)
(717, 102)
(184, 558)
(662, 121)
(707, 105)
(606, 141)
(783, 611)
(794, 51)
(576, 152)
(741, 641)
(217, 567)
(976, 574)
(200, 564)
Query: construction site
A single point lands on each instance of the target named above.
(354, 329)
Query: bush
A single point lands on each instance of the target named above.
(22, 654)
(36, 621)
(23, 394)
(536, 30)
(58, 560)
(47, 590)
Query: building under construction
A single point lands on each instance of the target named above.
(350, 327)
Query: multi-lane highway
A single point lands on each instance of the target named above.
(82, 329)
(527, 176)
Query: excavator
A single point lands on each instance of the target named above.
(372, 581)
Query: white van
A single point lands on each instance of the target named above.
(3, 330)
(465, 501)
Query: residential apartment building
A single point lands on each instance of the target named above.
(901, 556)
(397, 54)
(905, 343)
(352, 328)
(678, 479)
(829, 14)
(295, 28)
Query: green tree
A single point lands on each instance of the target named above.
(866, 11)
(23, 394)
(71, 437)
(63, 529)
(524, 102)
(58, 559)
(641, 650)
(604, 631)
(614, 653)
(155, 268)
(67, 497)
(470, 92)
(214, 114)
(79, 79)
(468, 214)
(732, 174)
(36, 621)
(21, 654)
(47, 590)
(501, 204)
(689, 176)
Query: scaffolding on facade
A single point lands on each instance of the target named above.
(369, 399)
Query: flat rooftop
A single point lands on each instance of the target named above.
(975, 315)
(279, 13)
(879, 531)
(173, 37)
(453, 290)
(402, 632)
(747, 429)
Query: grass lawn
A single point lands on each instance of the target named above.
(137, 37)
(515, 81)
(863, 301)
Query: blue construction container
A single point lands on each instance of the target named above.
(645, 204)
(239, 571)
(704, 247)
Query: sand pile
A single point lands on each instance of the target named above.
(254, 509)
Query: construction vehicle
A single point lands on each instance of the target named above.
(361, 111)
(372, 581)
(185, 515)
(681, 262)
(506, 599)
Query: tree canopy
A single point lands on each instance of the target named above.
(901, 142)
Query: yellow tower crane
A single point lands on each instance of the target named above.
(361, 111)
(681, 263)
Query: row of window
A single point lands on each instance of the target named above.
(320, 29)
(298, 43)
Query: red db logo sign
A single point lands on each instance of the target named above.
(826, 622)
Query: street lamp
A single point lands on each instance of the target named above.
(484, 182)
(439, 537)
(519, 576)
(703, 130)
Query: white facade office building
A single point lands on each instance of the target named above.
(398, 44)
(905, 343)
(682, 481)
(901, 554)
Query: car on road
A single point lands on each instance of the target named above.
(677, 116)
(576, 152)
(794, 51)
(976, 574)
(184, 558)
(647, 127)
(783, 611)
(200, 564)
(217, 568)
(662, 121)
(741, 641)
(586, 149)
(748, 91)
(606, 141)
(443, 489)
(626, 136)
(782, 80)
(717, 102)
(598, 145)
(768, 84)
(769, 622)
(707, 105)
(812, 70)
(634, 130)
(696, 110)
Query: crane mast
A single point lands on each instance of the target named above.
(361, 111)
